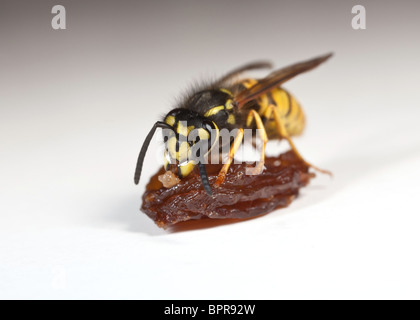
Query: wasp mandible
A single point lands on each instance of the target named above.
(231, 104)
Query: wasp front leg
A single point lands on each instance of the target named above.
(272, 111)
(263, 136)
(233, 149)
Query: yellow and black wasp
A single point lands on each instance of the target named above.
(233, 105)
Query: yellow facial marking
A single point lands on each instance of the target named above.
(172, 147)
(170, 120)
(229, 104)
(226, 91)
(214, 111)
(166, 161)
(183, 153)
(181, 129)
(231, 119)
(185, 169)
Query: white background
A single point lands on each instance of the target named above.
(77, 104)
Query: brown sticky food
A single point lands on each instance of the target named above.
(241, 196)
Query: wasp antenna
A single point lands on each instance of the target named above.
(143, 150)
(204, 178)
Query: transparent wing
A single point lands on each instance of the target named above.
(278, 77)
(250, 66)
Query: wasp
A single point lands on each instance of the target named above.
(232, 104)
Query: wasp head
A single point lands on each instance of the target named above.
(188, 140)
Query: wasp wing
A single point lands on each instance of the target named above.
(250, 66)
(276, 78)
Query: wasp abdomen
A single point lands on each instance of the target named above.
(289, 109)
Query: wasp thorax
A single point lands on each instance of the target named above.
(215, 105)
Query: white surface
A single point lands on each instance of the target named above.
(74, 117)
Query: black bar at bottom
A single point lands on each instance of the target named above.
(194, 309)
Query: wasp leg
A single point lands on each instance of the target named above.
(235, 146)
(281, 130)
(263, 136)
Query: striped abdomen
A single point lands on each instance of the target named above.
(290, 110)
